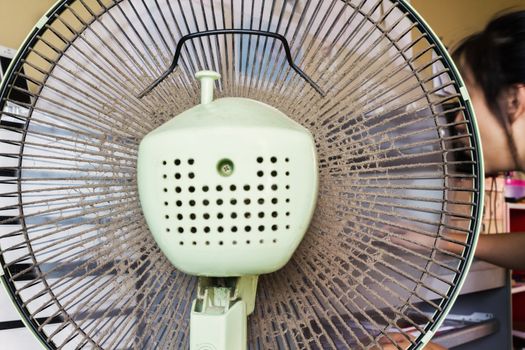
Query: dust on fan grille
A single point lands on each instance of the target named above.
(394, 167)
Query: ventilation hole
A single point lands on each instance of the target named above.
(287, 173)
(234, 228)
(261, 228)
(287, 187)
(248, 242)
(274, 200)
(246, 187)
(273, 159)
(181, 243)
(167, 216)
(220, 229)
(168, 230)
(274, 187)
(287, 213)
(274, 227)
(166, 203)
(287, 227)
(192, 216)
(233, 188)
(194, 243)
(286, 160)
(247, 228)
(261, 241)
(219, 201)
(205, 188)
(274, 214)
(274, 240)
(260, 201)
(193, 230)
(259, 159)
(191, 161)
(234, 242)
(206, 229)
(247, 201)
(165, 190)
(247, 215)
(164, 176)
(177, 176)
(206, 216)
(205, 202)
(221, 242)
(177, 162)
(220, 216)
(191, 189)
(178, 189)
(179, 203)
(191, 175)
(274, 173)
(260, 187)
(179, 216)
(192, 203)
(164, 162)
(207, 243)
(287, 200)
(233, 215)
(181, 230)
(233, 201)
(261, 214)
(218, 188)
(260, 173)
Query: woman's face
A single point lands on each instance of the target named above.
(496, 151)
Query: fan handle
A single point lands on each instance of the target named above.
(187, 37)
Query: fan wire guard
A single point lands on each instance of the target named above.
(399, 155)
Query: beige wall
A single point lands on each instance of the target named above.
(453, 20)
(17, 18)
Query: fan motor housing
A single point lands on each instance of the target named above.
(228, 188)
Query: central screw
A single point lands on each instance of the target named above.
(225, 167)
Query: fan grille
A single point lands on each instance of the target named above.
(398, 152)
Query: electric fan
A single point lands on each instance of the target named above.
(304, 206)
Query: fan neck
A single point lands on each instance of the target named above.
(219, 313)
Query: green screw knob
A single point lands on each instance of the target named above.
(225, 167)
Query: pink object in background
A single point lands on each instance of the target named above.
(514, 188)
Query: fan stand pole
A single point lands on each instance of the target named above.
(219, 313)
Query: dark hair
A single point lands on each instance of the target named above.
(496, 56)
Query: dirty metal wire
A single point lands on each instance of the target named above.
(398, 165)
